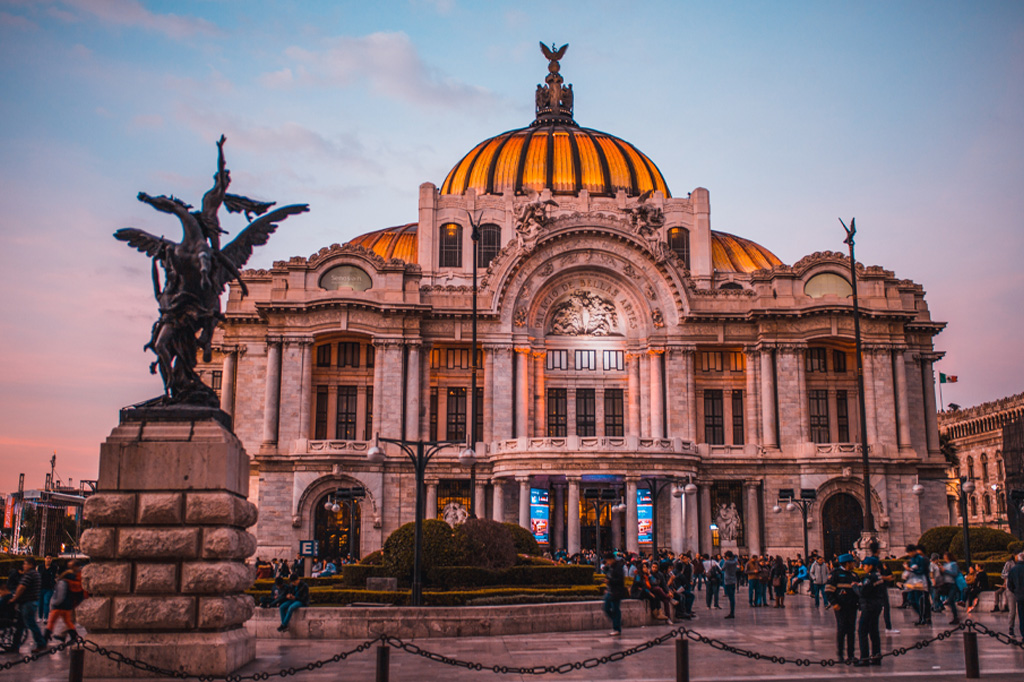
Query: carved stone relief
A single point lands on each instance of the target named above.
(584, 314)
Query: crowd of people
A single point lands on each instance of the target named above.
(856, 588)
(33, 595)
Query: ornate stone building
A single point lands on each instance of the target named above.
(977, 435)
(621, 339)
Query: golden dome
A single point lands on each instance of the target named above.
(729, 253)
(559, 155)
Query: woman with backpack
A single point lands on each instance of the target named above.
(67, 595)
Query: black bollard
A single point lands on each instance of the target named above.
(76, 666)
(682, 660)
(972, 670)
(383, 663)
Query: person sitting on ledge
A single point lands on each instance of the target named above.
(296, 596)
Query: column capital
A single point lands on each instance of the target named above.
(573, 480)
(497, 347)
(538, 353)
(298, 340)
(414, 344)
(388, 344)
(520, 478)
(655, 351)
(274, 340)
(751, 484)
(524, 350)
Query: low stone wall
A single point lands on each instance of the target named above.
(364, 622)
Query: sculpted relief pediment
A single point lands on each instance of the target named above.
(584, 314)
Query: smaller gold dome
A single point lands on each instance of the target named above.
(391, 242)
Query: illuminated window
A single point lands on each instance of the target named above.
(450, 254)
(737, 361)
(586, 359)
(613, 412)
(216, 379)
(456, 414)
(558, 413)
(711, 361)
(489, 245)
(613, 360)
(586, 412)
(839, 361)
(348, 354)
(455, 492)
(433, 414)
(679, 241)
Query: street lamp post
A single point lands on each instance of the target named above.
(869, 519)
(420, 452)
(656, 488)
(349, 497)
(599, 497)
(474, 235)
(966, 488)
(803, 503)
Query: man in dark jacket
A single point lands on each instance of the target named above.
(872, 601)
(297, 597)
(26, 598)
(614, 592)
(1015, 584)
(842, 589)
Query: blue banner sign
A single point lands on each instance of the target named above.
(644, 516)
(539, 514)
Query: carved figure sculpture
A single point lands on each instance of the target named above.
(454, 514)
(531, 217)
(644, 218)
(584, 314)
(728, 522)
(196, 272)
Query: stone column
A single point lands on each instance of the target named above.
(272, 402)
(499, 381)
(931, 419)
(805, 405)
(871, 428)
(558, 517)
(572, 517)
(704, 527)
(750, 399)
(378, 382)
(632, 394)
(488, 385)
(657, 396)
(480, 499)
(430, 505)
(306, 389)
(902, 400)
(675, 508)
(644, 369)
(498, 506)
(616, 528)
(539, 414)
(691, 522)
(753, 520)
(689, 360)
(168, 548)
(522, 392)
(227, 381)
(424, 423)
(632, 530)
(767, 403)
(413, 375)
(524, 501)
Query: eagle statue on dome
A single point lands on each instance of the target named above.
(553, 54)
(196, 272)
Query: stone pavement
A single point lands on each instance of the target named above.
(799, 630)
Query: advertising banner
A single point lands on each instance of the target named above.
(644, 516)
(539, 514)
(9, 511)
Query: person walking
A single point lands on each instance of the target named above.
(614, 591)
(730, 567)
(842, 591)
(26, 598)
(819, 576)
(713, 578)
(67, 595)
(1015, 583)
(948, 588)
(47, 582)
(872, 600)
(297, 597)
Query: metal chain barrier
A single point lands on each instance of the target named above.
(1001, 637)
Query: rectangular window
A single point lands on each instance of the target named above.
(614, 421)
(714, 426)
(368, 427)
(819, 416)
(558, 412)
(558, 359)
(816, 359)
(478, 415)
(450, 253)
(711, 361)
(839, 362)
(737, 361)
(586, 359)
(348, 354)
(455, 416)
(737, 417)
(433, 414)
(216, 379)
(458, 358)
(323, 355)
(613, 360)
(586, 412)
(345, 426)
(320, 423)
(842, 417)
(371, 355)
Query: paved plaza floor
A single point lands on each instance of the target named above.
(798, 631)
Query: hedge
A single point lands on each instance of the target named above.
(936, 540)
(439, 548)
(340, 597)
(1015, 547)
(523, 539)
(460, 577)
(982, 540)
(486, 543)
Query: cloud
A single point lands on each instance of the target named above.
(442, 7)
(277, 79)
(391, 66)
(133, 14)
(8, 20)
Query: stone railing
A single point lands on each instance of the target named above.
(352, 447)
(596, 445)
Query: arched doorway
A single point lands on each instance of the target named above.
(842, 520)
(336, 532)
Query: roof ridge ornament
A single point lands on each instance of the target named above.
(554, 101)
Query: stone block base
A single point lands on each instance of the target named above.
(217, 653)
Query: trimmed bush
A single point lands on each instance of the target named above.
(463, 577)
(982, 540)
(1015, 547)
(936, 540)
(355, 575)
(375, 558)
(523, 539)
(486, 543)
(439, 548)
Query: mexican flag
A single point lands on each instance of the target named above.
(947, 378)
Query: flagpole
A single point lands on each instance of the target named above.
(942, 403)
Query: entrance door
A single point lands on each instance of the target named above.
(842, 522)
(336, 532)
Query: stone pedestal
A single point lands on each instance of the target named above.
(168, 548)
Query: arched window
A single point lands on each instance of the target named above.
(732, 286)
(1000, 504)
(450, 246)
(988, 504)
(970, 467)
(488, 246)
(679, 241)
(974, 505)
(999, 469)
(984, 467)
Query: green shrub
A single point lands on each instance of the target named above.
(526, 560)
(523, 539)
(375, 558)
(486, 544)
(439, 548)
(463, 577)
(355, 575)
(982, 540)
(1015, 547)
(936, 540)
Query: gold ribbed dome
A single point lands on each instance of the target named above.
(557, 155)
(391, 242)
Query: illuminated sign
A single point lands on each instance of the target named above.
(539, 514)
(644, 516)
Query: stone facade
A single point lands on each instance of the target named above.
(621, 340)
(976, 433)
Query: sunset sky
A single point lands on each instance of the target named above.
(907, 115)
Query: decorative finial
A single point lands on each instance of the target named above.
(554, 101)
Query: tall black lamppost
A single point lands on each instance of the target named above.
(966, 486)
(420, 452)
(656, 488)
(474, 235)
(349, 497)
(803, 503)
(869, 518)
(599, 498)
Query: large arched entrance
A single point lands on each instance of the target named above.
(336, 532)
(842, 520)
